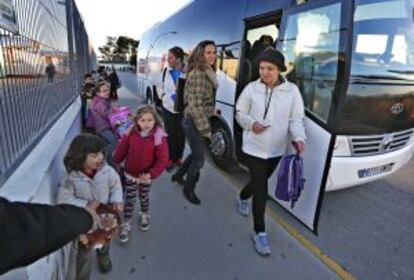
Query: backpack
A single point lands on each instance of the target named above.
(179, 100)
(290, 180)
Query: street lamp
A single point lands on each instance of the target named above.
(155, 40)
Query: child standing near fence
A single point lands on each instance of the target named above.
(89, 183)
(99, 113)
(144, 151)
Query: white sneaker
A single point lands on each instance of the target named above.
(144, 223)
(242, 207)
(123, 236)
(261, 244)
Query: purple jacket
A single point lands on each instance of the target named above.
(99, 111)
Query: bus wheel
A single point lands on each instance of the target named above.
(148, 97)
(221, 147)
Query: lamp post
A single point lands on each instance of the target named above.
(155, 40)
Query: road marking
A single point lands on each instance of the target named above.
(315, 250)
(341, 272)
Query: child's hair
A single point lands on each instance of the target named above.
(87, 75)
(100, 85)
(145, 109)
(80, 147)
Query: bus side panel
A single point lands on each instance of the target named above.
(225, 97)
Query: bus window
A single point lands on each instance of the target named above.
(311, 46)
(231, 61)
(258, 39)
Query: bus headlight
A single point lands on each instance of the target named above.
(341, 148)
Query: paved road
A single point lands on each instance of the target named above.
(369, 230)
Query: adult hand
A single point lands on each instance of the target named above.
(300, 147)
(93, 205)
(258, 128)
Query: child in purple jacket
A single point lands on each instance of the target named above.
(99, 112)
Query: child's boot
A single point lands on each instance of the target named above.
(104, 261)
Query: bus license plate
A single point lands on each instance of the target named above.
(368, 172)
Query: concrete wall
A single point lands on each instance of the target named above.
(37, 180)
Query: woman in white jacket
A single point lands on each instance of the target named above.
(271, 112)
(172, 118)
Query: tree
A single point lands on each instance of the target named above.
(120, 48)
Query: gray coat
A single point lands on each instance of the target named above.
(78, 189)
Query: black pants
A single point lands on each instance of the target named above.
(260, 171)
(176, 137)
(195, 160)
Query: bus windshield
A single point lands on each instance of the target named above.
(383, 40)
(380, 96)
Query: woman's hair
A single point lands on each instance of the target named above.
(100, 85)
(177, 52)
(80, 147)
(145, 109)
(196, 60)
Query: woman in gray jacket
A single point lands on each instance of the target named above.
(270, 111)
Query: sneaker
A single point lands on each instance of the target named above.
(261, 244)
(124, 233)
(144, 224)
(242, 207)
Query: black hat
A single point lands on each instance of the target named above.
(273, 56)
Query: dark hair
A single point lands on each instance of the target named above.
(177, 52)
(87, 75)
(101, 84)
(80, 147)
(141, 111)
(196, 60)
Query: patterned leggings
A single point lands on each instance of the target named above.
(130, 194)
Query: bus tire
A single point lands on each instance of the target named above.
(221, 147)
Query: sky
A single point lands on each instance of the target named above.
(123, 17)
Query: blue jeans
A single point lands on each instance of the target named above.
(112, 141)
(195, 160)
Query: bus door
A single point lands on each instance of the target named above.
(311, 38)
(260, 33)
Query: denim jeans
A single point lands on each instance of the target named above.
(195, 160)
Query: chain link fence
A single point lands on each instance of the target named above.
(44, 52)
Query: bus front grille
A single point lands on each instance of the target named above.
(379, 144)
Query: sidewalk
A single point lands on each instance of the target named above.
(210, 241)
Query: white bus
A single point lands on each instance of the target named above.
(352, 60)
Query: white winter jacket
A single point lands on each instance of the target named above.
(78, 189)
(168, 89)
(284, 117)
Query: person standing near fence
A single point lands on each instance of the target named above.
(268, 110)
(199, 97)
(99, 112)
(172, 118)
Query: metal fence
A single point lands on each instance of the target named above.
(44, 52)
